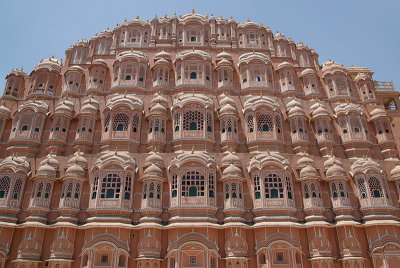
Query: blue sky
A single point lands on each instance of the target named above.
(364, 33)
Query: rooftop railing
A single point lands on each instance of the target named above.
(384, 86)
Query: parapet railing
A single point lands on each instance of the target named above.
(384, 86)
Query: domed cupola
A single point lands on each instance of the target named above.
(78, 53)
(287, 78)
(99, 78)
(152, 181)
(310, 80)
(354, 129)
(130, 68)
(193, 122)
(87, 117)
(161, 70)
(158, 118)
(45, 79)
(75, 84)
(62, 116)
(256, 72)
(229, 123)
(298, 126)
(43, 184)
(264, 127)
(312, 200)
(365, 86)
(225, 68)
(233, 181)
(338, 83)
(321, 121)
(15, 85)
(101, 43)
(384, 133)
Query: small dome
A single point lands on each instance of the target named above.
(50, 160)
(231, 159)
(65, 107)
(279, 36)
(335, 171)
(293, 103)
(305, 161)
(296, 111)
(320, 111)
(154, 158)
(395, 173)
(46, 171)
(99, 62)
(226, 100)
(153, 171)
(162, 55)
(332, 160)
(90, 107)
(78, 159)
(51, 64)
(232, 170)
(224, 56)
(75, 171)
(158, 109)
(228, 109)
(309, 172)
(159, 99)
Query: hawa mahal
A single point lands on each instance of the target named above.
(196, 141)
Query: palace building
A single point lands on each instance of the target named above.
(196, 141)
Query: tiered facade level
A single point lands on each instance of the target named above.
(193, 141)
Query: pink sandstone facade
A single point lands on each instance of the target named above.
(196, 141)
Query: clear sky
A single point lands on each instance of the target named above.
(364, 33)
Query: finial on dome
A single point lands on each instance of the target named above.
(192, 92)
(352, 65)
(192, 48)
(116, 151)
(137, 17)
(331, 153)
(206, 16)
(165, 16)
(41, 60)
(16, 155)
(231, 18)
(304, 153)
(79, 151)
(34, 99)
(108, 28)
(192, 149)
(254, 52)
(230, 149)
(261, 96)
(212, 14)
(347, 101)
(193, 11)
(277, 31)
(125, 20)
(22, 68)
(155, 16)
(268, 152)
(180, 15)
(155, 149)
(52, 56)
(126, 92)
(261, 24)
(330, 60)
(175, 13)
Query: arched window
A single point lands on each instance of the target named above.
(375, 187)
(128, 186)
(174, 186)
(193, 75)
(210, 185)
(121, 121)
(135, 123)
(4, 186)
(193, 120)
(193, 182)
(111, 186)
(264, 122)
(257, 187)
(361, 188)
(273, 186)
(250, 123)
